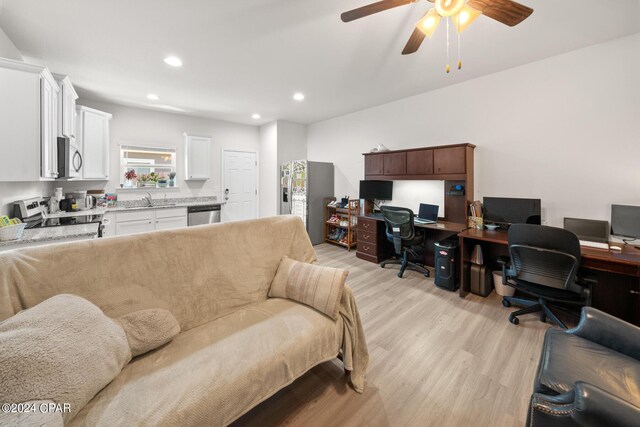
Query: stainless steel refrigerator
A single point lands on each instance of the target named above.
(303, 186)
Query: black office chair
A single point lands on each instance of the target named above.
(544, 264)
(402, 233)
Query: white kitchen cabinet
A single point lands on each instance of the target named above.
(140, 221)
(197, 157)
(109, 224)
(66, 107)
(133, 227)
(171, 223)
(93, 138)
(172, 218)
(28, 122)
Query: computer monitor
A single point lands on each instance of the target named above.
(428, 212)
(376, 190)
(588, 229)
(625, 221)
(505, 211)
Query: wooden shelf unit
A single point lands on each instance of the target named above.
(350, 215)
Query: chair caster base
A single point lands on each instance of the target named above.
(506, 303)
(514, 320)
(383, 265)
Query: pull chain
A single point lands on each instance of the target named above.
(448, 68)
(459, 45)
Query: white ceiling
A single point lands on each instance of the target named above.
(246, 56)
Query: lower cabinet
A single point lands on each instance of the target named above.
(169, 219)
(143, 221)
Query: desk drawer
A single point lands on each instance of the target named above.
(368, 236)
(367, 224)
(367, 248)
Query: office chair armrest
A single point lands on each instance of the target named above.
(585, 405)
(609, 331)
(505, 262)
(587, 279)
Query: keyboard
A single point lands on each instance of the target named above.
(597, 245)
(423, 221)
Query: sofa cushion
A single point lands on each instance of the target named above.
(212, 374)
(148, 329)
(316, 286)
(567, 358)
(64, 349)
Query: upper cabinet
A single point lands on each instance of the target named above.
(197, 157)
(28, 122)
(93, 137)
(448, 162)
(66, 107)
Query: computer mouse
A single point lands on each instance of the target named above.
(615, 248)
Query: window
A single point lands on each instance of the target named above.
(150, 164)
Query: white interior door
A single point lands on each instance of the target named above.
(240, 189)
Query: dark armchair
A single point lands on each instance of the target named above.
(402, 233)
(589, 375)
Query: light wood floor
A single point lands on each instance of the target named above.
(435, 359)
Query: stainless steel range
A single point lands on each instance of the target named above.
(33, 212)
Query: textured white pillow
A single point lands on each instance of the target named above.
(64, 349)
(148, 329)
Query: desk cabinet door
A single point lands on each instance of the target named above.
(374, 164)
(395, 164)
(420, 162)
(449, 160)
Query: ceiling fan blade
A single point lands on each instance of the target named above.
(370, 9)
(416, 39)
(506, 11)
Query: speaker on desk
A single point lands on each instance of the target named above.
(480, 280)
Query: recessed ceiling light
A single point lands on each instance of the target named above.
(153, 97)
(299, 96)
(173, 61)
(256, 116)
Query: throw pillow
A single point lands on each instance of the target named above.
(148, 329)
(64, 349)
(313, 285)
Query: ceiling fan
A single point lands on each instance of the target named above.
(462, 13)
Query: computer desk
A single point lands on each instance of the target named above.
(374, 246)
(617, 291)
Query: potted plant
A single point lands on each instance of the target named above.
(147, 180)
(162, 181)
(172, 179)
(129, 176)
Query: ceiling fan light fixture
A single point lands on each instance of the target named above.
(449, 7)
(465, 17)
(429, 23)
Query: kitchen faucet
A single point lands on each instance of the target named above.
(148, 199)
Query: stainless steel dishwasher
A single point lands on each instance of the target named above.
(205, 214)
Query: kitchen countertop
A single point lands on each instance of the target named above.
(52, 234)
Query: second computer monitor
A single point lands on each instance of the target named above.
(503, 210)
(428, 212)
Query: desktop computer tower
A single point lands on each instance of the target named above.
(446, 264)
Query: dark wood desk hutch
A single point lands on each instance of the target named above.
(452, 164)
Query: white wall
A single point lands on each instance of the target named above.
(565, 129)
(7, 48)
(154, 128)
(280, 142)
(269, 170)
(292, 141)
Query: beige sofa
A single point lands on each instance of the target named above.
(237, 347)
